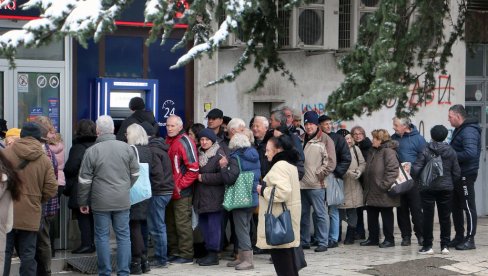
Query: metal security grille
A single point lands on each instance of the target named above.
(345, 24)
(284, 17)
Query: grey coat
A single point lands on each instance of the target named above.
(108, 171)
(382, 169)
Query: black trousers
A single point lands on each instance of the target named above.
(443, 200)
(410, 205)
(464, 199)
(374, 223)
(360, 224)
(284, 262)
(86, 226)
(136, 240)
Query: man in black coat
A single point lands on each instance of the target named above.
(343, 156)
(466, 141)
(139, 115)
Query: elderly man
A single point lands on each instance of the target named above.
(466, 141)
(37, 174)
(261, 132)
(411, 143)
(215, 119)
(108, 171)
(184, 162)
(314, 182)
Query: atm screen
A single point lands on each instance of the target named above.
(121, 99)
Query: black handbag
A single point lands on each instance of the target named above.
(403, 183)
(279, 230)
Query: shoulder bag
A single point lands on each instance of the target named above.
(239, 195)
(141, 190)
(278, 230)
(403, 182)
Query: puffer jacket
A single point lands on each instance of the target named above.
(58, 150)
(409, 145)
(138, 211)
(72, 168)
(184, 164)
(249, 159)
(466, 141)
(39, 182)
(353, 192)
(283, 176)
(108, 171)
(381, 172)
(209, 193)
(317, 166)
(450, 166)
(162, 182)
(137, 117)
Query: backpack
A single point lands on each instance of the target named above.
(431, 172)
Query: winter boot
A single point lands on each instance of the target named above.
(351, 231)
(237, 260)
(135, 268)
(145, 266)
(211, 259)
(247, 261)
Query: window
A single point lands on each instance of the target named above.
(345, 24)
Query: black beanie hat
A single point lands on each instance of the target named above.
(31, 130)
(137, 103)
(438, 133)
(207, 133)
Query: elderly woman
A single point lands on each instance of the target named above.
(249, 161)
(353, 192)
(209, 193)
(283, 177)
(380, 174)
(359, 136)
(136, 135)
(85, 137)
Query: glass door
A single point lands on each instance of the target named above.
(39, 91)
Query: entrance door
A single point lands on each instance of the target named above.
(39, 91)
(476, 97)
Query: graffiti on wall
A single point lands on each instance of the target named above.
(317, 107)
(420, 95)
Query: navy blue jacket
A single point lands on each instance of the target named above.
(249, 159)
(410, 145)
(466, 141)
(343, 154)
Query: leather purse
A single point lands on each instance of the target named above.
(279, 230)
(403, 182)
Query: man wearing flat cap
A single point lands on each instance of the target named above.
(215, 119)
(139, 115)
(37, 175)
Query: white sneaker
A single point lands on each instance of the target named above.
(426, 251)
(445, 251)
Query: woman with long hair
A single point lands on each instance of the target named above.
(10, 189)
(85, 136)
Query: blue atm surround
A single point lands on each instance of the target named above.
(105, 85)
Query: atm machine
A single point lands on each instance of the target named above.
(114, 94)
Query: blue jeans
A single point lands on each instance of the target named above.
(120, 224)
(316, 199)
(334, 223)
(157, 226)
(25, 245)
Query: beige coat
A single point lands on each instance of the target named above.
(319, 161)
(6, 215)
(284, 177)
(353, 192)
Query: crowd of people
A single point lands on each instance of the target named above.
(293, 166)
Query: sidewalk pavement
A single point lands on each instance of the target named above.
(354, 260)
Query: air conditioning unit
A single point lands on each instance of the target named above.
(313, 26)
